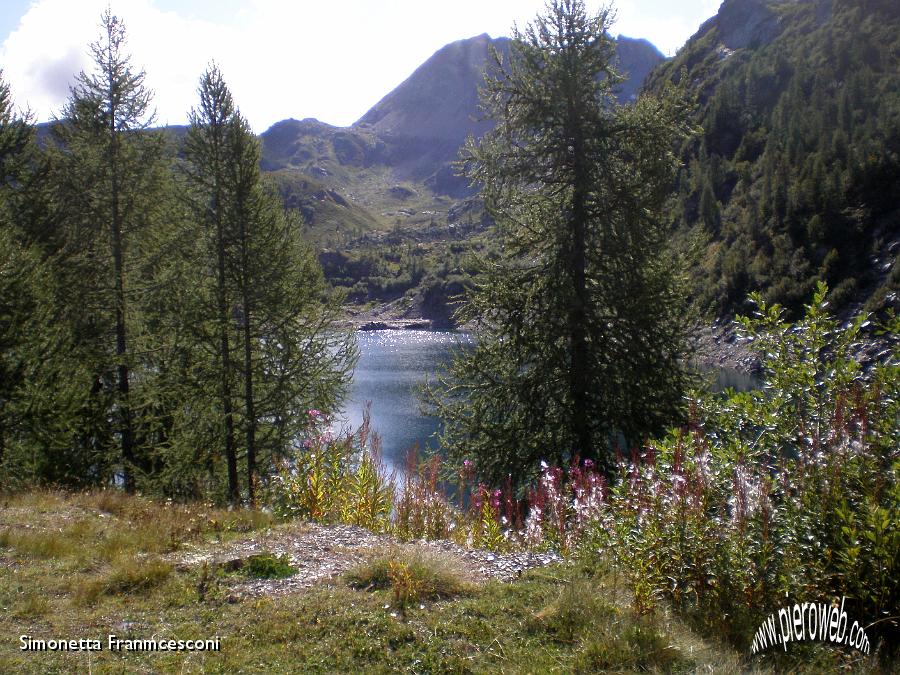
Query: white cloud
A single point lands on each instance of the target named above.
(51, 46)
(330, 59)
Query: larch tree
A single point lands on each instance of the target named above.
(208, 165)
(274, 316)
(24, 282)
(106, 176)
(580, 335)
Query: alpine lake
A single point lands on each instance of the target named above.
(392, 369)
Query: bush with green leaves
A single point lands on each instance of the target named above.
(269, 566)
(788, 492)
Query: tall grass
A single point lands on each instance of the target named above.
(333, 479)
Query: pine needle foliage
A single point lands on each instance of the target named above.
(579, 321)
(106, 176)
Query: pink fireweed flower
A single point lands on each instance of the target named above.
(478, 498)
(495, 499)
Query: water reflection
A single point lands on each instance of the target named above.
(392, 367)
(729, 378)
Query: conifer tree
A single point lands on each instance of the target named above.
(273, 319)
(42, 388)
(19, 272)
(580, 332)
(106, 181)
(207, 151)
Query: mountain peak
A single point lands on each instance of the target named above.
(429, 115)
(439, 95)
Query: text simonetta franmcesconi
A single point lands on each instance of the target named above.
(114, 643)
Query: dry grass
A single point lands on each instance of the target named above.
(127, 577)
(103, 526)
(413, 575)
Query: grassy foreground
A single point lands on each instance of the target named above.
(89, 565)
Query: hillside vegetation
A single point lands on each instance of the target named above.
(795, 175)
(792, 178)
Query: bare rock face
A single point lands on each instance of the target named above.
(635, 58)
(439, 98)
(427, 118)
(746, 23)
(414, 133)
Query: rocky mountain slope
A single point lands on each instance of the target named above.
(396, 158)
(792, 179)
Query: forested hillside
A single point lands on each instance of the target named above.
(795, 175)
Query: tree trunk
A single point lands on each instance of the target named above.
(579, 373)
(127, 441)
(248, 369)
(230, 454)
(251, 412)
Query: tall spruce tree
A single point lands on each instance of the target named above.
(273, 320)
(579, 324)
(106, 177)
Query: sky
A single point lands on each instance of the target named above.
(328, 59)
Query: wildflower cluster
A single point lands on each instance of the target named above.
(343, 479)
(792, 490)
(423, 510)
(563, 504)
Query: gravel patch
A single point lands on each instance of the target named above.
(324, 552)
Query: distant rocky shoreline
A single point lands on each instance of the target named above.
(716, 345)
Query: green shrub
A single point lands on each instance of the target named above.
(786, 492)
(268, 566)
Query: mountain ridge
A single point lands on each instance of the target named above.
(413, 134)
